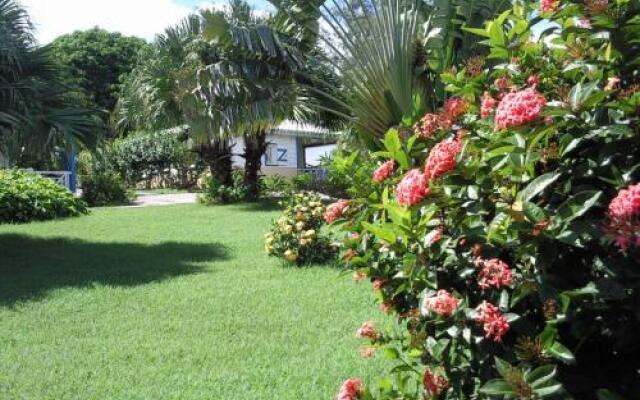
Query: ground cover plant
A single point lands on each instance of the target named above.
(26, 196)
(504, 229)
(176, 302)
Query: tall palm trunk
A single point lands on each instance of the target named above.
(255, 147)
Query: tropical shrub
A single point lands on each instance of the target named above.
(104, 187)
(504, 234)
(146, 155)
(296, 236)
(26, 196)
(276, 184)
(213, 192)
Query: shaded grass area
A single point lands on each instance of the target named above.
(175, 302)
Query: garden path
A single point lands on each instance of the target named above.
(146, 200)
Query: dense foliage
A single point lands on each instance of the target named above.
(152, 154)
(296, 236)
(96, 61)
(103, 188)
(215, 192)
(36, 112)
(26, 196)
(504, 227)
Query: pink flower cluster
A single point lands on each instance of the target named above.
(335, 211)
(413, 188)
(384, 171)
(494, 273)
(495, 325)
(351, 389)
(453, 109)
(434, 384)
(443, 303)
(597, 6)
(442, 158)
(367, 331)
(549, 6)
(488, 105)
(624, 218)
(519, 108)
(502, 83)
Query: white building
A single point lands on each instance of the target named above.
(291, 148)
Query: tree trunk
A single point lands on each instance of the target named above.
(217, 156)
(255, 147)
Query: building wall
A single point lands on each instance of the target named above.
(284, 160)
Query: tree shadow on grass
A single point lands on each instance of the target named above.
(31, 266)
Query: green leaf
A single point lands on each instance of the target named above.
(576, 206)
(496, 387)
(537, 185)
(384, 232)
(560, 352)
(548, 390)
(540, 375)
(502, 366)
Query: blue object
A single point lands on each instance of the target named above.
(71, 166)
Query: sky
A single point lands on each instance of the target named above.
(142, 18)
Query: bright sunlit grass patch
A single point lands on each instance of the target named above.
(175, 302)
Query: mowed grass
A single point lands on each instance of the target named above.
(176, 302)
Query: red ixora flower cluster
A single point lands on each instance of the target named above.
(624, 218)
(519, 108)
(549, 6)
(384, 171)
(434, 384)
(494, 273)
(413, 188)
(442, 158)
(495, 325)
(335, 211)
(351, 389)
(488, 105)
(443, 303)
(453, 109)
(367, 331)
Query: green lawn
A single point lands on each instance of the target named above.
(175, 302)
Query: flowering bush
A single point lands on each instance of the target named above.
(296, 235)
(507, 240)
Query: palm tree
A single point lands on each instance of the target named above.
(261, 75)
(33, 101)
(389, 53)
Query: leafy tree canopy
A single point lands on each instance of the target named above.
(96, 61)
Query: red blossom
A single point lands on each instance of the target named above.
(442, 158)
(494, 273)
(379, 283)
(502, 83)
(584, 23)
(413, 188)
(433, 236)
(624, 218)
(519, 108)
(549, 6)
(454, 108)
(384, 171)
(427, 126)
(335, 211)
(488, 105)
(533, 80)
(443, 303)
(434, 384)
(495, 325)
(367, 331)
(351, 389)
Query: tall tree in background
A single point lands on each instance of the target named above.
(35, 112)
(95, 62)
(261, 75)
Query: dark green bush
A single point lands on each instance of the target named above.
(26, 196)
(102, 188)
